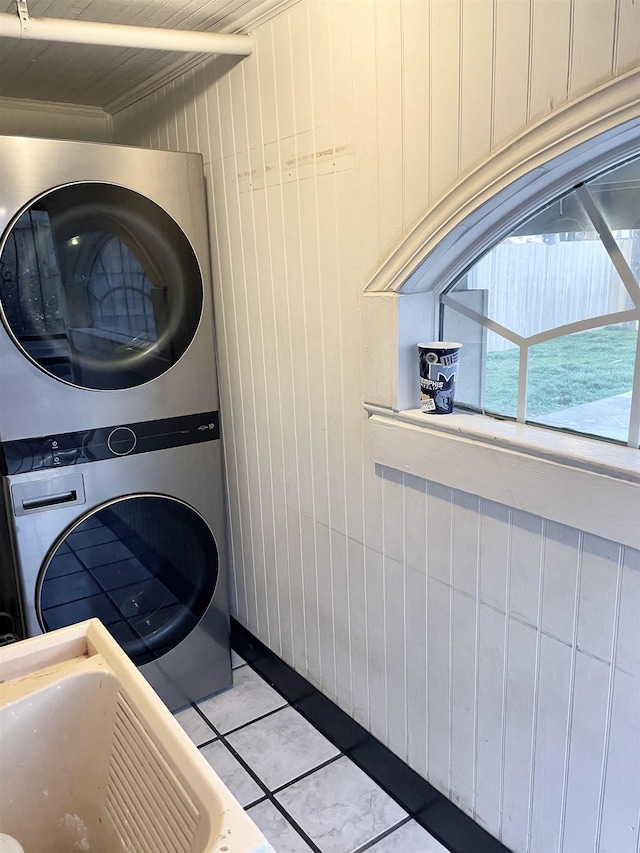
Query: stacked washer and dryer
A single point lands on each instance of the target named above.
(109, 429)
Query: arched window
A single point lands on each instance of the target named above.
(549, 315)
(569, 183)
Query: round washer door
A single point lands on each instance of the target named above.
(145, 565)
(99, 287)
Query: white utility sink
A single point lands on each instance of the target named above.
(91, 759)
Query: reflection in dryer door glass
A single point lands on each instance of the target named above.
(99, 287)
(32, 295)
(146, 566)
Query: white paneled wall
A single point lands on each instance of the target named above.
(496, 652)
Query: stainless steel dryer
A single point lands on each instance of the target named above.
(126, 523)
(105, 295)
(112, 482)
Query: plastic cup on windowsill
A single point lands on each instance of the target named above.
(438, 362)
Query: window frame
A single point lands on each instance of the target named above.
(548, 473)
(525, 342)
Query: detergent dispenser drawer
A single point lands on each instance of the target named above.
(41, 495)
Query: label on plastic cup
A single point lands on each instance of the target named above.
(438, 374)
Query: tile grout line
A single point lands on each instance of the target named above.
(269, 795)
(248, 723)
(369, 844)
(380, 768)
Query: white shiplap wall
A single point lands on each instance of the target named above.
(498, 653)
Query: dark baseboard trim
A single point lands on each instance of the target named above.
(431, 809)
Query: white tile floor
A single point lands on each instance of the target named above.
(303, 794)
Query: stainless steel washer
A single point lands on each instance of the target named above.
(128, 526)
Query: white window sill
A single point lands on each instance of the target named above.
(587, 484)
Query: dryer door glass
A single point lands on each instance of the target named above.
(147, 566)
(99, 287)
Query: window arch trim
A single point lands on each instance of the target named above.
(586, 135)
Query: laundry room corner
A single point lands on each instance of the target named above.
(403, 610)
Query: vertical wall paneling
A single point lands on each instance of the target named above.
(439, 544)
(283, 503)
(525, 562)
(376, 630)
(610, 735)
(365, 245)
(490, 726)
(202, 143)
(498, 654)
(511, 73)
(296, 140)
(145, 118)
(628, 648)
(344, 288)
(444, 100)
(365, 125)
(304, 83)
(462, 729)
(439, 597)
(519, 706)
(358, 635)
(495, 531)
(191, 120)
(180, 106)
(627, 36)
(171, 106)
(416, 527)
(389, 103)
(415, 108)
(476, 81)
(271, 425)
(240, 347)
(439, 623)
(597, 602)
(586, 751)
(536, 734)
(559, 582)
(282, 154)
(594, 43)
(551, 728)
(331, 439)
(619, 829)
(260, 327)
(247, 344)
(394, 582)
(395, 656)
(342, 608)
(465, 547)
(549, 60)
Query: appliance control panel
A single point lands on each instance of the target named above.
(94, 445)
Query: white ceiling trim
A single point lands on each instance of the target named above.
(52, 107)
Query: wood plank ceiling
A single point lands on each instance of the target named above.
(109, 77)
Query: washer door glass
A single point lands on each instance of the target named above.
(147, 566)
(99, 286)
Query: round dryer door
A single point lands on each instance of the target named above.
(146, 566)
(99, 286)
